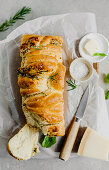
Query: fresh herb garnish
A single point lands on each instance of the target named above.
(99, 54)
(56, 42)
(107, 95)
(71, 84)
(24, 73)
(107, 78)
(48, 141)
(37, 47)
(43, 93)
(19, 72)
(53, 77)
(40, 72)
(19, 15)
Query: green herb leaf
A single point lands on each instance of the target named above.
(19, 15)
(71, 84)
(48, 141)
(56, 42)
(100, 54)
(107, 95)
(107, 78)
(43, 93)
(42, 71)
(53, 77)
(37, 47)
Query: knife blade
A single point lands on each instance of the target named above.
(74, 127)
(82, 105)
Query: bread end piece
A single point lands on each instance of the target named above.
(23, 145)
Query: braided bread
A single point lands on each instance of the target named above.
(41, 82)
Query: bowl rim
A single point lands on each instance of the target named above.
(96, 61)
(89, 65)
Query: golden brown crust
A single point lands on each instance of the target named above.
(58, 84)
(30, 86)
(31, 37)
(46, 45)
(55, 130)
(49, 107)
(11, 153)
(34, 58)
(47, 100)
(41, 82)
(43, 39)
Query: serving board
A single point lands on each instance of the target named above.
(96, 67)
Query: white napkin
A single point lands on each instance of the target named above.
(72, 27)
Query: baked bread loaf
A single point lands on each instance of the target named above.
(23, 145)
(41, 82)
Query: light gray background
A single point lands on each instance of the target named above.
(50, 7)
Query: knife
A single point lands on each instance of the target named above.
(74, 127)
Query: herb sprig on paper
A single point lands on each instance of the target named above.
(107, 81)
(20, 15)
(72, 84)
(100, 54)
(107, 78)
(48, 141)
(107, 95)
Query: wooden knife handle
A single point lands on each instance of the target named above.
(70, 139)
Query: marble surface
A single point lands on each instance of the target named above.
(51, 7)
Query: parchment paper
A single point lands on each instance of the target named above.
(72, 27)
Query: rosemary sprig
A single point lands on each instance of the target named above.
(71, 84)
(56, 42)
(37, 47)
(23, 73)
(44, 93)
(26, 74)
(53, 77)
(19, 15)
(42, 71)
(41, 93)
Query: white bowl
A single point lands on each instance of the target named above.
(88, 64)
(103, 44)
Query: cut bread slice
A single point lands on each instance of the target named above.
(23, 145)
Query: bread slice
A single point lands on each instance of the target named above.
(23, 145)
